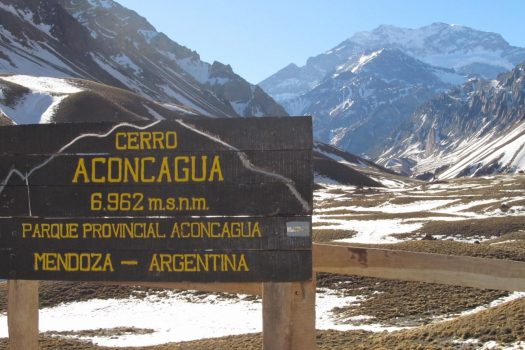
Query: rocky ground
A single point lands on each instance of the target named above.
(477, 217)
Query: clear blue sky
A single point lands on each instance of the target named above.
(259, 37)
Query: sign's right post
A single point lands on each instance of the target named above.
(289, 315)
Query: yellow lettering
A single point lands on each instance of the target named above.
(154, 264)
(194, 176)
(108, 266)
(164, 171)
(26, 228)
(114, 163)
(216, 170)
(38, 261)
(118, 145)
(132, 140)
(81, 171)
(242, 264)
(145, 139)
(132, 170)
(158, 138)
(72, 262)
(171, 140)
(143, 169)
(256, 231)
(94, 177)
(165, 262)
(181, 168)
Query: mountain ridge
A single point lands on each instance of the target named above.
(102, 41)
(437, 44)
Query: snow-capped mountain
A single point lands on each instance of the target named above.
(100, 40)
(476, 129)
(466, 50)
(361, 91)
(360, 104)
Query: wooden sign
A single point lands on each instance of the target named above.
(184, 200)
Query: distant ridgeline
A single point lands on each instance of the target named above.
(206, 200)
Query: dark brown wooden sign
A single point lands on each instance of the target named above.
(184, 200)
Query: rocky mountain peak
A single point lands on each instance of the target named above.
(436, 38)
(465, 50)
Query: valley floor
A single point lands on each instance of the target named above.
(482, 217)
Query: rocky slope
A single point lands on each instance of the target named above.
(476, 129)
(100, 40)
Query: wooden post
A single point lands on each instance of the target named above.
(22, 314)
(289, 316)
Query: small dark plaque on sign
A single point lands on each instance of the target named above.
(184, 200)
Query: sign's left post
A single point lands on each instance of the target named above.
(22, 314)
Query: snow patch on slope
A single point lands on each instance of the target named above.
(127, 62)
(39, 105)
(43, 84)
(30, 109)
(107, 4)
(199, 70)
(27, 16)
(364, 59)
(148, 35)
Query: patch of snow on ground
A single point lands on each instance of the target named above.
(327, 300)
(390, 183)
(369, 231)
(179, 318)
(513, 211)
(460, 208)
(394, 208)
(173, 318)
(413, 207)
(497, 302)
(320, 196)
